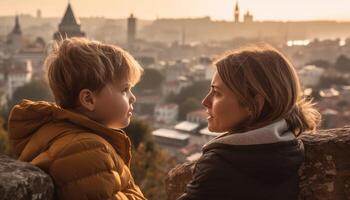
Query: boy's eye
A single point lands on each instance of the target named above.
(126, 89)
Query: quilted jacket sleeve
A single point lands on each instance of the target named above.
(87, 170)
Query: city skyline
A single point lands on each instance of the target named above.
(217, 10)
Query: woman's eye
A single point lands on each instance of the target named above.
(216, 93)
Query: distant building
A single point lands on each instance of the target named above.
(310, 75)
(248, 18)
(14, 39)
(198, 116)
(208, 135)
(38, 14)
(204, 70)
(329, 93)
(146, 104)
(175, 87)
(187, 127)
(15, 75)
(166, 113)
(69, 26)
(236, 13)
(170, 137)
(175, 69)
(131, 37)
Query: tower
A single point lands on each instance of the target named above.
(38, 14)
(236, 13)
(14, 39)
(69, 26)
(131, 31)
(248, 18)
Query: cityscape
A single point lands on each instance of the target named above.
(177, 55)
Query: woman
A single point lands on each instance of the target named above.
(256, 101)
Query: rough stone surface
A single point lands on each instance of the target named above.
(21, 180)
(325, 174)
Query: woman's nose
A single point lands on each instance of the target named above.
(206, 101)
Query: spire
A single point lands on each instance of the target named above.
(236, 13)
(69, 17)
(237, 7)
(17, 28)
(69, 26)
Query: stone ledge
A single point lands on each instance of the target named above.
(23, 181)
(325, 174)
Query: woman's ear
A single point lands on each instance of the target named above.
(259, 99)
(87, 99)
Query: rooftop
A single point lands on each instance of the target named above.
(173, 134)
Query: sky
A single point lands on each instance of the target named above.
(217, 9)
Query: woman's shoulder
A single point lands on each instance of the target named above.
(264, 157)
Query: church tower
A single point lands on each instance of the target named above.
(236, 13)
(131, 37)
(69, 26)
(14, 39)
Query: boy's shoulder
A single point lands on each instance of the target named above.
(63, 137)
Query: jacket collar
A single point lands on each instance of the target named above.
(28, 116)
(272, 133)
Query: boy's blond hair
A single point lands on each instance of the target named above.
(79, 63)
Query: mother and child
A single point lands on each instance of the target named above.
(255, 101)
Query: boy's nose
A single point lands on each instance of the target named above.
(132, 98)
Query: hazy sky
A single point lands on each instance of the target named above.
(216, 9)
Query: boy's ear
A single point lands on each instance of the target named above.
(87, 99)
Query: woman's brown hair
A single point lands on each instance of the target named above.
(262, 70)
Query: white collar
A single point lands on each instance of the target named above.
(272, 133)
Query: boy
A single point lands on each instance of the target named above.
(78, 139)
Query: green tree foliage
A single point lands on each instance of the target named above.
(139, 132)
(190, 98)
(190, 104)
(150, 164)
(34, 90)
(4, 142)
(151, 80)
(342, 64)
(320, 63)
(197, 90)
(329, 81)
(150, 169)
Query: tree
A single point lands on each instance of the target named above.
(329, 81)
(342, 64)
(150, 169)
(34, 90)
(151, 80)
(4, 142)
(197, 90)
(150, 164)
(320, 63)
(139, 132)
(190, 104)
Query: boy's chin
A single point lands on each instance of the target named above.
(120, 125)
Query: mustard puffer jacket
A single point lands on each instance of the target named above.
(85, 159)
